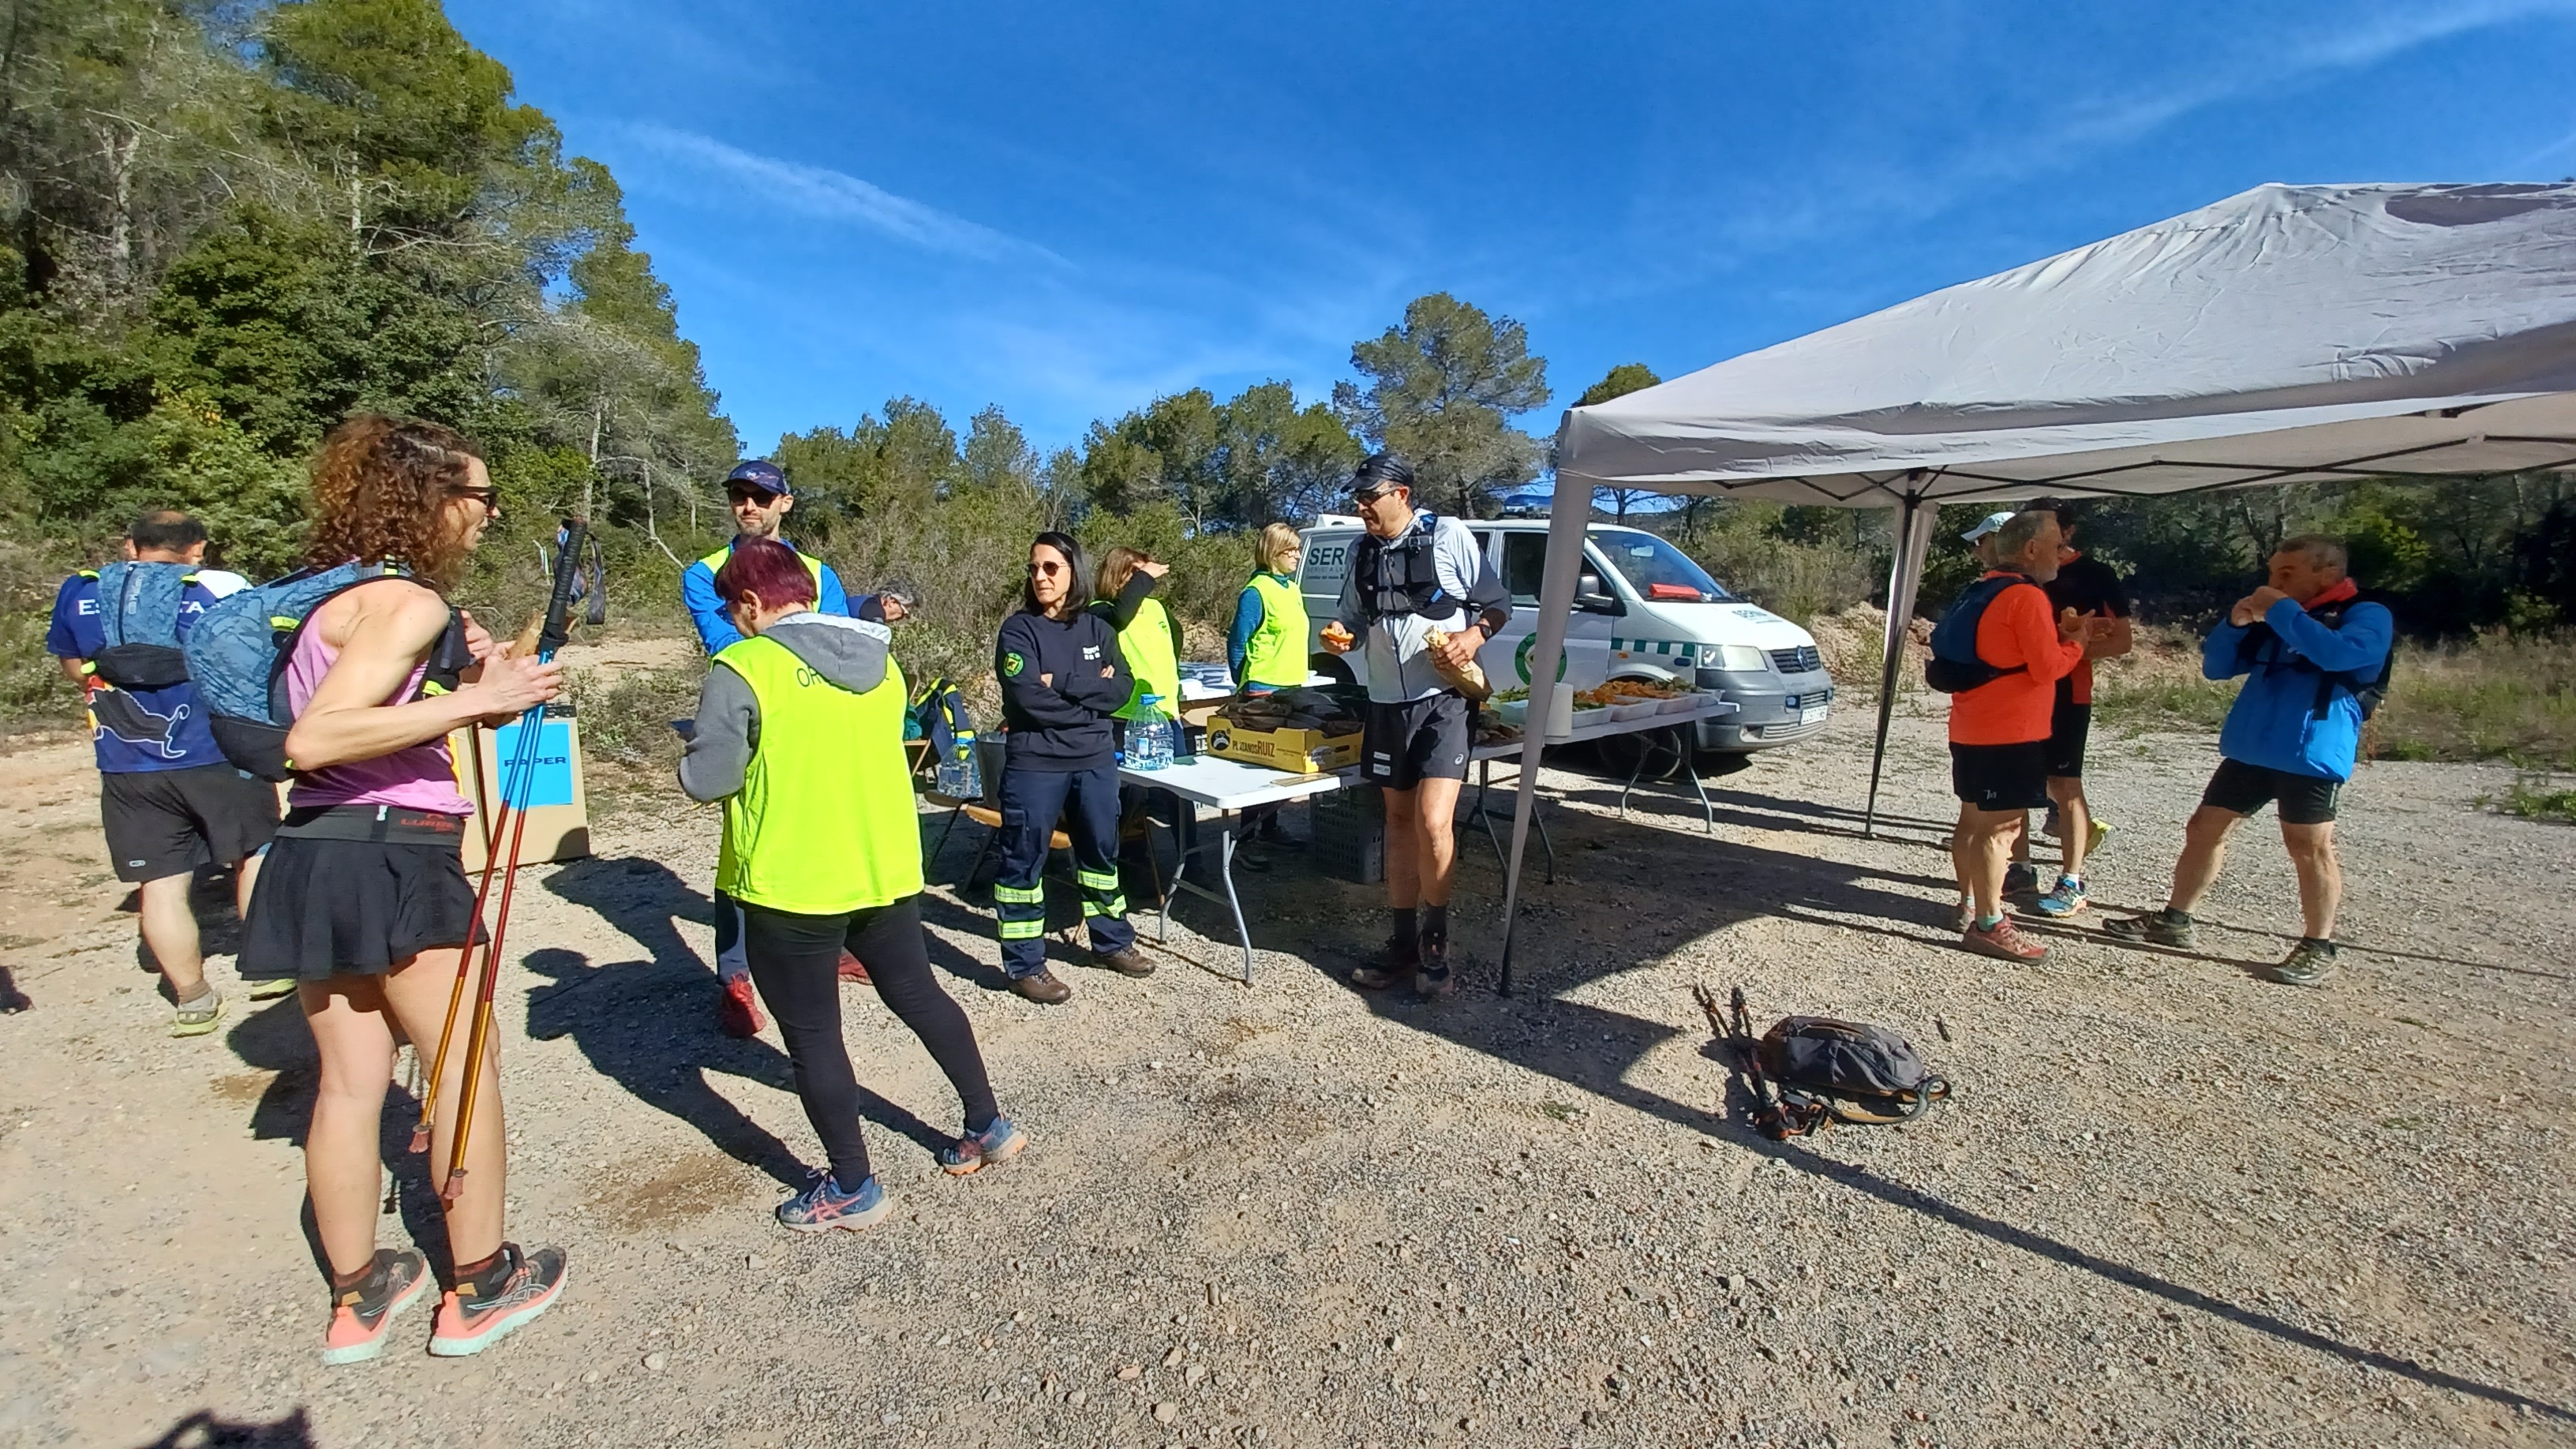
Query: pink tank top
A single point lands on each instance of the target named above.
(418, 777)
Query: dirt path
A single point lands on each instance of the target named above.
(2170, 1204)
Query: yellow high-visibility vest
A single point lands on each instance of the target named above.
(1275, 655)
(824, 821)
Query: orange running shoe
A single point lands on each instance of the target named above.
(471, 1319)
(360, 1315)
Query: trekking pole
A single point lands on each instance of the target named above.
(500, 815)
(516, 792)
(517, 785)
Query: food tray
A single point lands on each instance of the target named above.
(1679, 704)
(1511, 711)
(1638, 710)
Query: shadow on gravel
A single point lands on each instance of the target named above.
(203, 1430)
(650, 1027)
(1597, 1050)
(12, 1000)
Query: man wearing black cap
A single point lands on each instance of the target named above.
(1415, 577)
(760, 498)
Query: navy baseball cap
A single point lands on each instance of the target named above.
(760, 473)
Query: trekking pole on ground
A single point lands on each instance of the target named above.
(517, 785)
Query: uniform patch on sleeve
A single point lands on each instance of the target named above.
(1012, 664)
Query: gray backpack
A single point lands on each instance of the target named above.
(1811, 1071)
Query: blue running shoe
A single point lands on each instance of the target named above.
(824, 1206)
(2064, 899)
(995, 1144)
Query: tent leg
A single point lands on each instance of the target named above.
(1914, 519)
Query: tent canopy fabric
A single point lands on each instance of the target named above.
(2359, 331)
(2290, 334)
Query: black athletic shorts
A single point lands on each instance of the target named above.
(169, 822)
(1402, 745)
(330, 905)
(2001, 777)
(2242, 789)
(2069, 726)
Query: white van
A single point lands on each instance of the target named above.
(1643, 610)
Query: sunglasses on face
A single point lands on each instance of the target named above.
(753, 496)
(1048, 569)
(488, 497)
(1365, 500)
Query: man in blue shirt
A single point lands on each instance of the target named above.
(2314, 656)
(760, 497)
(168, 799)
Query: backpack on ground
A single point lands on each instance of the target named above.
(1811, 1071)
(138, 615)
(2367, 690)
(1954, 667)
(237, 652)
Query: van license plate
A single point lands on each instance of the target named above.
(1813, 714)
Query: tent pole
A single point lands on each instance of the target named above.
(1904, 572)
(1568, 517)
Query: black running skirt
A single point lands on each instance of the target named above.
(327, 908)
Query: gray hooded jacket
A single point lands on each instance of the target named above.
(850, 653)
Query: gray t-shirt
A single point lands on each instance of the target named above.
(1399, 663)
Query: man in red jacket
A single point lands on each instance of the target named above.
(1999, 730)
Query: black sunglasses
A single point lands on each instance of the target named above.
(761, 496)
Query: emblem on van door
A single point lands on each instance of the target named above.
(1520, 658)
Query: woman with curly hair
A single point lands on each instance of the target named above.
(364, 901)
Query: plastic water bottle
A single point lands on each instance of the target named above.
(961, 775)
(1149, 736)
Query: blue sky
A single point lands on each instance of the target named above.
(1069, 207)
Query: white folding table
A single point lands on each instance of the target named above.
(1229, 787)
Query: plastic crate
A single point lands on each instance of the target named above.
(1350, 834)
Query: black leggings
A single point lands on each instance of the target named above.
(795, 961)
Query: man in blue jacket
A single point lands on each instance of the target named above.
(759, 495)
(2314, 657)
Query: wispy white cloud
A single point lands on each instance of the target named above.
(825, 194)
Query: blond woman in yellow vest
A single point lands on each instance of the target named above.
(800, 733)
(1266, 647)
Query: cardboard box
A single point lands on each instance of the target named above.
(558, 806)
(1299, 752)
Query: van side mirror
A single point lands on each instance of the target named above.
(1591, 598)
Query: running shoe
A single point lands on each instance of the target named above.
(738, 1011)
(2063, 899)
(2001, 940)
(2309, 964)
(976, 1151)
(474, 1315)
(269, 988)
(824, 1206)
(196, 1018)
(1392, 964)
(2020, 876)
(1433, 982)
(2094, 837)
(2167, 927)
(360, 1315)
(851, 970)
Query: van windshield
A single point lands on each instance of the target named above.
(1657, 570)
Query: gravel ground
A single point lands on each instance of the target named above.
(2169, 1204)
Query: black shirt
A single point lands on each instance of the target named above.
(2088, 586)
(1065, 725)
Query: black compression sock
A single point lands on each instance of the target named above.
(1407, 933)
(1435, 921)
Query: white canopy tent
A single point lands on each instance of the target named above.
(2289, 334)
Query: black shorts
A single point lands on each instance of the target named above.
(1402, 745)
(169, 822)
(2242, 789)
(2069, 726)
(2001, 777)
(328, 908)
